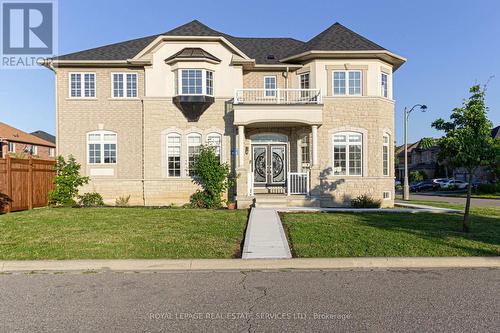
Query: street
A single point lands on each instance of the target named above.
(433, 196)
(455, 300)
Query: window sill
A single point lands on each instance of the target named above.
(124, 99)
(81, 98)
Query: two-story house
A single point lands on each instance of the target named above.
(17, 143)
(309, 122)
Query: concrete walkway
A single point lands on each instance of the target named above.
(265, 237)
(152, 265)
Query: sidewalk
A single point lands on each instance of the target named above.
(245, 264)
(265, 237)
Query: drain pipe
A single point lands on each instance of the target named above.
(143, 180)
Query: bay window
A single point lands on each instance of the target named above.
(383, 84)
(195, 82)
(347, 154)
(385, 155)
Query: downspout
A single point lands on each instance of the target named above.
(143, 172)
(52, 68)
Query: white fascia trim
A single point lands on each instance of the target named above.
(374, 52)
(160, 39)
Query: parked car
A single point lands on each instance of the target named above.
(458, 184)
(425, 185)
(440, 181)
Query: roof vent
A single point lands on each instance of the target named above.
(270, 57)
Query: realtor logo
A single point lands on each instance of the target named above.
(28, 32)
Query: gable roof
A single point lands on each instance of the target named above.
(13, 134)
(335, 38)
(44, 136)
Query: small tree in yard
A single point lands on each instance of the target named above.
(213, 177)
(67, 182)
(468, 142)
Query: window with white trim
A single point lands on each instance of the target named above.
(346, 83)
(193, 150)
(348, 154)
(304, 81)
(304, 149)
(215, 140)
(270, 86)
(386, 195)
(385, 155)
(33, 149)
(101, 147)
(52, 152)
(12, 147)
(124, 85)
(196, 82)
(384, 85)
(82, 85)
(174, 155)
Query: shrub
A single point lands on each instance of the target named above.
(417, 175)
(4, 201)
(91, 199)
(122, 201)
(67, 182)
(365, 201)
(213, 177)
(489, 188)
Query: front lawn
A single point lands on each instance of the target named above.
(394, 235)
(121, 233)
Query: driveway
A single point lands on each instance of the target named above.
(451, 199)
(453, 300)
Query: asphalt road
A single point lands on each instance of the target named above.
(292, 301)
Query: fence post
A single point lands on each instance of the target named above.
(30, 183)
(9, 182)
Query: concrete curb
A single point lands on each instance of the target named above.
(247, 264)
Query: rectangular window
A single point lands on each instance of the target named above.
(52, 152)
(304, 85)
(124, 85)
(270, 86)
(385, 155)
(33, 150)
(347, 83)
(383, 83)
(304, 149)
(102, 147)
(82, 85)
(194, 144)
(210, 83)
(347, 154)
(174, 155)
(12, 147)
(386, 195)
(215, 140)
(191, 82)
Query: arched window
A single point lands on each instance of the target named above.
(347, 154)
(174, 155)
(385, 154)
(101, 147)
(193, 145)
(215, 140)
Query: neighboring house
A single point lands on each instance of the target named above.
(45, 136)
(293, 117)
(15, 142)
(419, 159)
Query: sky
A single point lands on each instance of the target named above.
(449, 46)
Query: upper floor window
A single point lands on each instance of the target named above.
(12, 147)
(193, 145)
(52, 152)
(383, 85)
(270, 86)
(347, 83)
(32, 150)
(124, 85)
(174, 155)
(347, 154)
(385, 155)
(196, 82)
(101, 147)
(304, 81)
(215, 140)
(82, 85)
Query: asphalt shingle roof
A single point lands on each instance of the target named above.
(263, 50)
(193, 52)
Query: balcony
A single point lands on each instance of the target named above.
(277, 96)
(277, 107)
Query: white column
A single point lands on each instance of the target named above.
(241, 145)
(314, 143)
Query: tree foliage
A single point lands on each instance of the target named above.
(212, 176)
(67, 182)
(467, 142)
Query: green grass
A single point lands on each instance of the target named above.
(393, 234)
(120, 233)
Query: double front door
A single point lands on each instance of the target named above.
(269, 164)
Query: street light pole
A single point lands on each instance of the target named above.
(406, 185)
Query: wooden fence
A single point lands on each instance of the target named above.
(26, 182)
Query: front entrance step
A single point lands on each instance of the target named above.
(280, 201)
